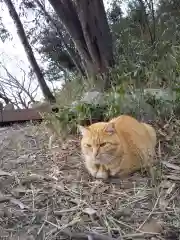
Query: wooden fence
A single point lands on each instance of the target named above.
(21, 115)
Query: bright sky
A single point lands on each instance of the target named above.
(12, 52)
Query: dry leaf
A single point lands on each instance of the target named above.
(16, 192)
(172, 177)
(163, 203)
(89, 211)
(25, 158)
(171, 165)
(21, 190)
(102, 189)
(2, 173)
(165, 184)
(19, 203)
(170, 189)
(153, 226)
(36, 178)
(162, 133)
(3, 233)
(4, 199)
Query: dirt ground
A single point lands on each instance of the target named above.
(45, 192)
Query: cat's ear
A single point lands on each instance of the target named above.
(82, 129)
(110, 128)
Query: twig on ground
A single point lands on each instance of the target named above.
(150, 214)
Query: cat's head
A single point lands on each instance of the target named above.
(100, 142)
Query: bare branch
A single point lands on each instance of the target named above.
(21, 92)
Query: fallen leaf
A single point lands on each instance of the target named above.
(16, 192)
(89, 211)
(170, 189)
(102, 189)
(3, 173)
(7, 212)
(32, 178)
(172, 177)
(163, 201)
(19, 203)
(163, 204)
(3, 233)
(4, 199)
(126, 212)
(25, 158)
(162, 133)
(36, 178)
(152, 226)
(165, 184)
(171, 165)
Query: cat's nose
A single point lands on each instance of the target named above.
(95, 152)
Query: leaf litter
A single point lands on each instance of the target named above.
(46, 193)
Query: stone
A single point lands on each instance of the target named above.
(134, 103)
(93, 97)
(164, 94)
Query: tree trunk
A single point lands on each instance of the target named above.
(143, 9)
(86, 22)
(69, 51)
(29, 52)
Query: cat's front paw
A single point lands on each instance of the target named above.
(102, 174)
(91, 167)
(93, 172)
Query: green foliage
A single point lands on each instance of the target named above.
(52, 48)
(65, 121)
(118, 101)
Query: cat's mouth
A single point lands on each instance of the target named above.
(104, 160)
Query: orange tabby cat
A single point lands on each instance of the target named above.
(120, 146)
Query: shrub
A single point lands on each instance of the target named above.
(141, 105)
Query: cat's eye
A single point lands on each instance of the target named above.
(88, 145)
(102, 144)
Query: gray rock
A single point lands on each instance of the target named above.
(133, 103)
(93, 97)
(164, 94)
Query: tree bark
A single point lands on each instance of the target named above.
(69, 51)
(96, 32)
(86, 22)
(143, 8)
(29, 52)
